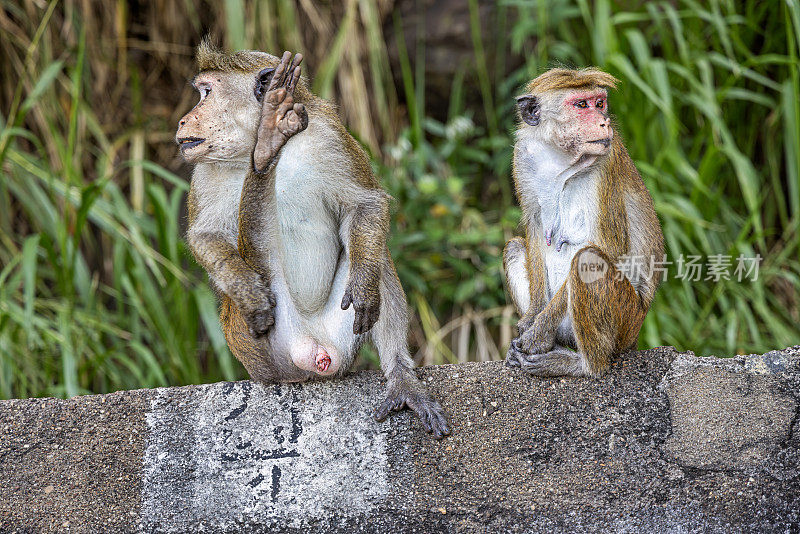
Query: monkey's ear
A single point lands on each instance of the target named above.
(262, 82)
(529, 109)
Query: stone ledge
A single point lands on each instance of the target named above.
(665, 442)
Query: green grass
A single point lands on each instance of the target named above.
(97, 289)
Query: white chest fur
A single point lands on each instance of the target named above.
(561, 198)
(572, 228)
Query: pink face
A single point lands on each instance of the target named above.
(588, 111)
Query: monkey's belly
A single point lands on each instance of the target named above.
(309, 257)
(558, 265)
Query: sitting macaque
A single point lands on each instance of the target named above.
(585, 209)
(290, 222)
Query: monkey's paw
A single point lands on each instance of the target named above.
(259, 322)
(281, 118)
(524, 324)
(430, 413)
(558, 362)
(367, 305)
(261, 316)
(514, 357)
(534, 341)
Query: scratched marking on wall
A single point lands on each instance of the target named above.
(242, 452)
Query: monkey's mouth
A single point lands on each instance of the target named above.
(189, 142)
(605, 142)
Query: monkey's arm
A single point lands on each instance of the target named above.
(257, 192)
(536, 276)
(369, 227)
(246, 287)
(541, 334)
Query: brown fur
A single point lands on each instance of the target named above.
(209, 57)
(559, 79)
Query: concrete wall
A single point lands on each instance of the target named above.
(666, 442)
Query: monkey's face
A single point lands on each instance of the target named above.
(575, 121)
(222, 127)
(585, 125)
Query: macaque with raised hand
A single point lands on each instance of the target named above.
(289, 221)
(585, 209)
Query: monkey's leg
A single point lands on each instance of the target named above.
(404, 390)
(606, 315)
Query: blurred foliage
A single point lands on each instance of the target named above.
(98, 292)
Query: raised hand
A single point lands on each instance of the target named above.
(281, 116)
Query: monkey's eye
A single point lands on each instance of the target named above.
(600, 103)
(581, 104)
(203, 89)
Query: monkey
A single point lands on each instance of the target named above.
(290, 223)
(583, 277)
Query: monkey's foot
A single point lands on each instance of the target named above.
(560, 361)
(323, 361)
(532, 341)
(513, 357)
(430, 413)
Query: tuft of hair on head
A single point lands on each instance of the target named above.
(559, 79)
(210, 57)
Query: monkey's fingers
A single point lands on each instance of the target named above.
(347, 299)
(393, 403)
(291, 124)
(425, 420)
(259, 322)
(382, 411)
(512, 357)
(300, 111)
(292, 79)
(442, 429)
(430, 415)
(361, 322)
(278, 77)
(358, 322)
(298, 58)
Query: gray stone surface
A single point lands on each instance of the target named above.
(666, 442)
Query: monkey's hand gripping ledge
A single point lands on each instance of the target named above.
(665, 442)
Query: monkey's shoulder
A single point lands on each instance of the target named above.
(322, 159)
